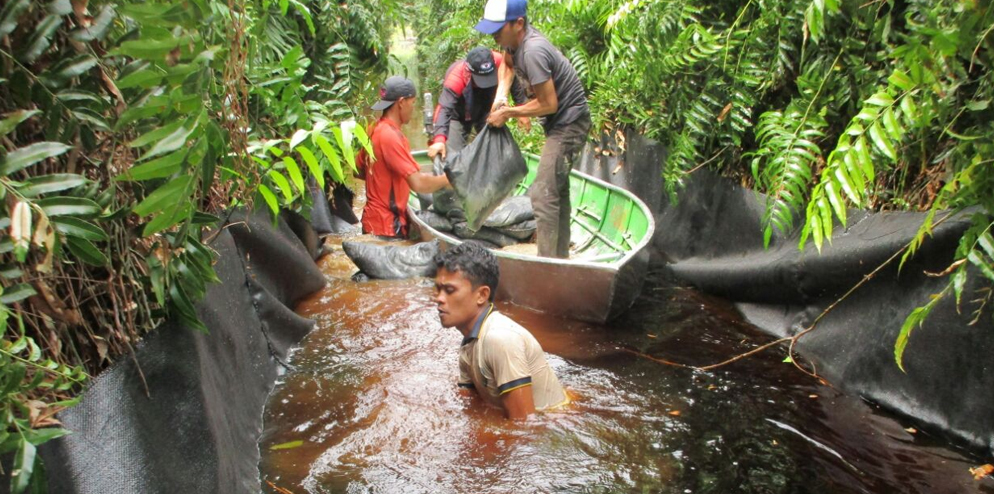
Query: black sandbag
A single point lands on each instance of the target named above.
(512, 211)
(393, 262)
(485, 234)
(486, 172)
(521, 231)
(444, 201)
(435, 220)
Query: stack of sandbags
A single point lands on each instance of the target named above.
(512, 222)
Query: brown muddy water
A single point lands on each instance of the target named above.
(371, 407)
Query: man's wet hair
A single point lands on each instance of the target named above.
(476, 263)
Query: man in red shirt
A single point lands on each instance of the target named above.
(467, 94)
(393, 173)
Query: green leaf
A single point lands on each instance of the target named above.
(171, 142)
(168, 219)
(901, 80)
(17, 293)
(144, 78)
(75, 227)
(14, 119)
(283, 184)
(154, 49)
(10, 271)
(77, 67)
(98, 28)
(984, 265)
(345, 146)
(332, 155)
(978, 105)
(287, 445)
(161, 167)
(176, 190)
(10, 14)
(894, 130)
(880, 99)
(298, 137)
(46, 184)
(270, 198)
(42, 436)
(294, 170)
(312, 164)
(915, 319)
(24, 157)
(67, 96)
(360, 134)
(86, 251)
(73, 206)
(41, 39)
(155, 135)
(882, 142)
(24, 464)
(185, 308)
(17, 370)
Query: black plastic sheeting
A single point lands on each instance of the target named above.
(185, 414)
(712, 239)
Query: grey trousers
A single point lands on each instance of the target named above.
(550, 190)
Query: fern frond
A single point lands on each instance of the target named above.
(872, 135)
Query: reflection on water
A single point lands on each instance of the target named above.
(371, 406)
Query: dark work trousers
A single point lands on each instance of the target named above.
(459, 133)
(550, 190)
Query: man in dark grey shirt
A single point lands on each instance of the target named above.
(555, 94)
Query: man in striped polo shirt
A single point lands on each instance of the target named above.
(498, 358)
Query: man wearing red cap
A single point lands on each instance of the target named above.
(393, 173)
(467, 95)
(556, 95)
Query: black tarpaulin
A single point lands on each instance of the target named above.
(187, 416)
(712, 238)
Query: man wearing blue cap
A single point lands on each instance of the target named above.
(558, 97)
(464, 104)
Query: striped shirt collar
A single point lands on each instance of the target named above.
(475, 333)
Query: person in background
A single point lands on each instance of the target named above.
(392, 173)
(498, 358)
(555, 94)
(467, 95)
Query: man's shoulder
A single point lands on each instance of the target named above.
(384, 133)
(503, 330)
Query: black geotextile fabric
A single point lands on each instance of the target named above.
(185, 414)
(712, 238)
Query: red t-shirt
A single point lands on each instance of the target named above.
(387, 191)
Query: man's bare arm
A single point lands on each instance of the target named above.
(518, 403)
(505, 76)
(423, 183)
(545, 103)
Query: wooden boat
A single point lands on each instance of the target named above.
(610, 231)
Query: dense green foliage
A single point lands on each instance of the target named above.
(822, 106)
(128, 129)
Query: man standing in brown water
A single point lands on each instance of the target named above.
(498, 358)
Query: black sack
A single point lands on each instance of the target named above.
(522, 231)
(393, 262)
(512, 211)
(444, 200)
(485, 173)
(435, 220)
(486, 234)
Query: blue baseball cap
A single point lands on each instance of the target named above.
(499, 12)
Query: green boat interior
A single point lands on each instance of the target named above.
(607, 221)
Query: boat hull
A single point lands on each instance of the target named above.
(585, 290)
